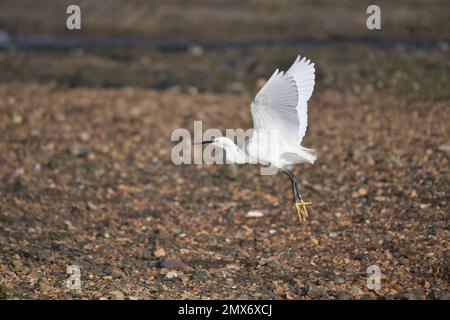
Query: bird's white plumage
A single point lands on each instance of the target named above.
(280, 105)
(282, 101)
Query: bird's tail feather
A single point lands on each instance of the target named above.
(300, 155)
(309, 154)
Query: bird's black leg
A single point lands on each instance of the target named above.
(296, 195)
(299, 203)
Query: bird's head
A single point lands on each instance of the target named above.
(233, 153)
(221, 142)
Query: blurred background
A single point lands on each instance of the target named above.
(217, 45)
(86, 177)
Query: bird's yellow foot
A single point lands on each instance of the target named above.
(302, 212)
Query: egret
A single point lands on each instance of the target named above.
(280, 106)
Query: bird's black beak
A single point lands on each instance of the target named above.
(204, 142)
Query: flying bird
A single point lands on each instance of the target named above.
(280, 117)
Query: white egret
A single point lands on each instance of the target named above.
(281, 107)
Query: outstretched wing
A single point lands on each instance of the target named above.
(282, 102)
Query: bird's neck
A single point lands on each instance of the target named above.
(234, 154)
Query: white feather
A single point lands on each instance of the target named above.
(281, 104)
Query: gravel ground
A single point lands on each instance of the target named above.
(86, 179)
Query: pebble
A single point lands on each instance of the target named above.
(201, 275)
(407, 253)
(315, 292)
(233, 266)
(169, 263)
(444, 148)
(255, 214)
(78, 150)
(271, 262)
(342, 295)
(117, 273)
(17, 264)
(356, 292)
(91, 206)
(159, 253)
(362, 192)
(445, 296)
(84, 136)
(411, 295)
(117, 295)
(339, 280)
(435, 294)
(230, 171)
(171, 275)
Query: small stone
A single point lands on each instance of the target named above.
(84, 136)
(170, 264)
(271, 262)
(255, 214)
(78, 150)
(435, 294)
(171, 275)
(356, 292)
(153, 289)
(301, 291)
(362, 192)
(237, 87)
(201, 275)
(233, 266)
(4, 292)
(69, 225)
(196, 50)
(17, 119)
(117, 295)
(339, 280)
(159, 253)
(342, 295)
(445, 265)
(17, 264)
(411, 295)
(407, 253)
(315, 292)
(230, 171)
(445, 296)
(117, 273)
(91, 206)
(444, 148)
